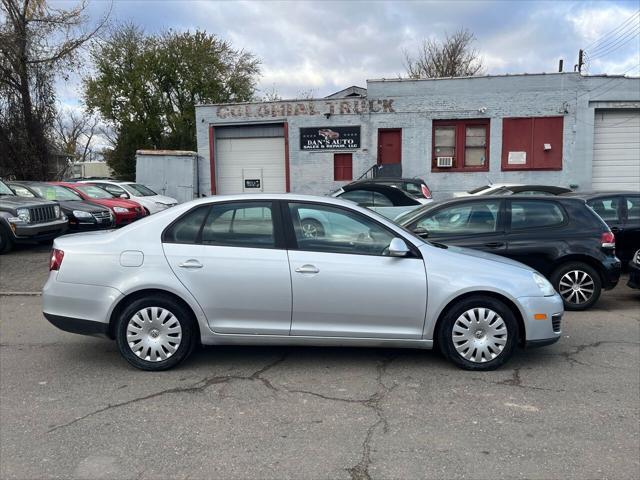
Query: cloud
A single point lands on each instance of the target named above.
(326, 46)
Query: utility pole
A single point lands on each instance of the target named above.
(578, 66)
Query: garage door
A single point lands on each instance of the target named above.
(616, 150)
(246, 165)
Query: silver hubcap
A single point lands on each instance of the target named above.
(154, 334)
(576, 286)
(309, 230)
(479, 335)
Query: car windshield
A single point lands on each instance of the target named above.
(138, 190)
(4, 190)
(94, 192)
(56, 192)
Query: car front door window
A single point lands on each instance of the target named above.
(340, 231)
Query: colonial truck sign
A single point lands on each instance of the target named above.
(330, 138)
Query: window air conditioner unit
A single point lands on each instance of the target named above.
(444, 162)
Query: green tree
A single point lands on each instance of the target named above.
(147, 86)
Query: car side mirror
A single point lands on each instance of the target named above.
(124, 195)
(421, 232)
(398, 248)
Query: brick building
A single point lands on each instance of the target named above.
(562, 129)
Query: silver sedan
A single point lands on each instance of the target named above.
(243, 270)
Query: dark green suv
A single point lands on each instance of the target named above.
(28, 220)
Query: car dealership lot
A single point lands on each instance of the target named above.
(72, 407)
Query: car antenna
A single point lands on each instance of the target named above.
(489, 180)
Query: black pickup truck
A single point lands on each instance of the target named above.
(28, 220)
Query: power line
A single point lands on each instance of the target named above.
(604, 45)
(607, 83)
(620, 43)
(602, 38)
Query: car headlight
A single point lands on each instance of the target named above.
(544, 285)
(56, 209)
(24, 215)
(120, 210)
(161, 205)
(81, 214)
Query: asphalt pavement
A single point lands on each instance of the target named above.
(70, 407)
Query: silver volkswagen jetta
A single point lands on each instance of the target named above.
(242, 270)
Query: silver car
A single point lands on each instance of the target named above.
(242, 270)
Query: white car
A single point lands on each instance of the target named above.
(241, 270)
(147, 198)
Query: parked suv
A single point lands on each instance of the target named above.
(25, 220)
(561, 237)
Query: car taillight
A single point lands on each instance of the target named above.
(608, 240)
(425, 191)
(56, 259)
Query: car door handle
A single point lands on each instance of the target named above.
(191, 263)
(494, 244)
(308, 269)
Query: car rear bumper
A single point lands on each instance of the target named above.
(77, 325)
(611, 270)
(78, 308)
(542, 319)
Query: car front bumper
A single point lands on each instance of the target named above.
(542, 318)
(39, 231)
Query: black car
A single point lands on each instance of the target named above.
(83, 215)
(412, 187)
(374, 195)
(621, 211)
(561, 237)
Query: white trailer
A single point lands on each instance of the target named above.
(169, 172)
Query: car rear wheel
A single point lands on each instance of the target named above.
(478, 333)
(578, 284)
(155, 333)
(6, 242)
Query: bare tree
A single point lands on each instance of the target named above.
(74, 132)
(453, 57)
(270, 95)
(37, 42)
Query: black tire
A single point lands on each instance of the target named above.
(311, 228)
(564, 273)
(509, 323)
(6, 242)
(182, 315)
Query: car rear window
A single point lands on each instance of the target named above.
(530, 214)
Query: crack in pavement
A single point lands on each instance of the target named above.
(199, 386)
(360, 471)
(569, 356)
(516, 381)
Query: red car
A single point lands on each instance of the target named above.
(125, 211)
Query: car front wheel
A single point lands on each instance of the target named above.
(155, 333)
(478, 333)
(578, 284)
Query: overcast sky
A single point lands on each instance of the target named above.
(326, 46)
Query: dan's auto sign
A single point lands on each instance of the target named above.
(330, 138)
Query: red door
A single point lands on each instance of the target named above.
(389, 146)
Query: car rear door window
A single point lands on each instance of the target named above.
(186, 228)
(247, 225)
(469, 218)
(606, 208)
(337, 231)
(529, 214)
